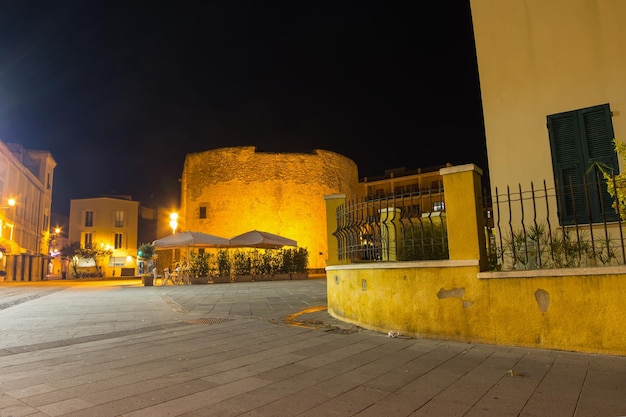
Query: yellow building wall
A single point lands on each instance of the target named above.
(280, 193)
(564, 312)
(104, 229)
(579, 309)
(537, 58)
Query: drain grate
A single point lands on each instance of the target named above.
(210, 320)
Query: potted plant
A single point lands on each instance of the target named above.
(242, 266)
(282, 264)
(223, 267)
(299, 264)
(262, 265)
(199, 265)
(146, 252)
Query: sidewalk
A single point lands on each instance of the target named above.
(117, 348)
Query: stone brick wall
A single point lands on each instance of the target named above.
(281, 193)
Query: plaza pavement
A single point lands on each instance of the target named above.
(117, 348)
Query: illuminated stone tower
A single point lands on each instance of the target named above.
(229, 191)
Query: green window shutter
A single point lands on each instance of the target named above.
(598, 136)
(579, 139)
(565, 141)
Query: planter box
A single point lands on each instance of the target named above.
(299, 275)
(220, 279)
(243, 278)
(282, 277)
(263, 277)
(148, 281)
(200, 280)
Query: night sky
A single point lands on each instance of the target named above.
(120, 92)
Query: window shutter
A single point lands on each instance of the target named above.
(565, 141)
(600, 149)
(579, 139)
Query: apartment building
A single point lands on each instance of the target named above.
(26, 178)
(422, 187)
(110, 222)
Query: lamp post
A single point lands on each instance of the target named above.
(52, 248)
(174, 222)
(174, 226)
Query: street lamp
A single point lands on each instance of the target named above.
(173, 225)
(174, 222)
(11, 203)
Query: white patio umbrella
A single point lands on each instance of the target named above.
(191, 240)
(259, 239)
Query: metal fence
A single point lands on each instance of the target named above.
(576, 224)
(403, 227)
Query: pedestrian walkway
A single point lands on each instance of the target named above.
(117, 348)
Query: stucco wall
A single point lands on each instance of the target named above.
(281, 193)
(538, 58)
(580, 309)
(573, 310)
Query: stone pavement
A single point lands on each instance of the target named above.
(117, 348)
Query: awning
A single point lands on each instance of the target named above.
(263, 240)
(9, 247)
(191, 239)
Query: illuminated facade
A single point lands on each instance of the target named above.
(552, 89)
(26, 176)
(400, 181)
(111, 222)
(229, 191)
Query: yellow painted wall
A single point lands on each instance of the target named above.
(537, 58)
(582, 313)
(281, 193)
(579, 309)
(104, 229)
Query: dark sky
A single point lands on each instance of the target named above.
(120, 92)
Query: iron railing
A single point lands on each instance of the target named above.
(403, 227)
(577, 224)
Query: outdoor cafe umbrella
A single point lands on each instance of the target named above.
(258, 239)
(191, 240)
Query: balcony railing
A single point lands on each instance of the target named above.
(400, 227)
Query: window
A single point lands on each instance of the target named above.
(203, 212)
(119, 240)
(578, 140)
(87, 240)
(438, 206)
(89, 218)
(119, 218)
(117, 261)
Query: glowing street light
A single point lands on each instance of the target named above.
(11, 202)
(174, 222)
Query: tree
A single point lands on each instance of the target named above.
(97, 252)
(71, 252)
(146, 252)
